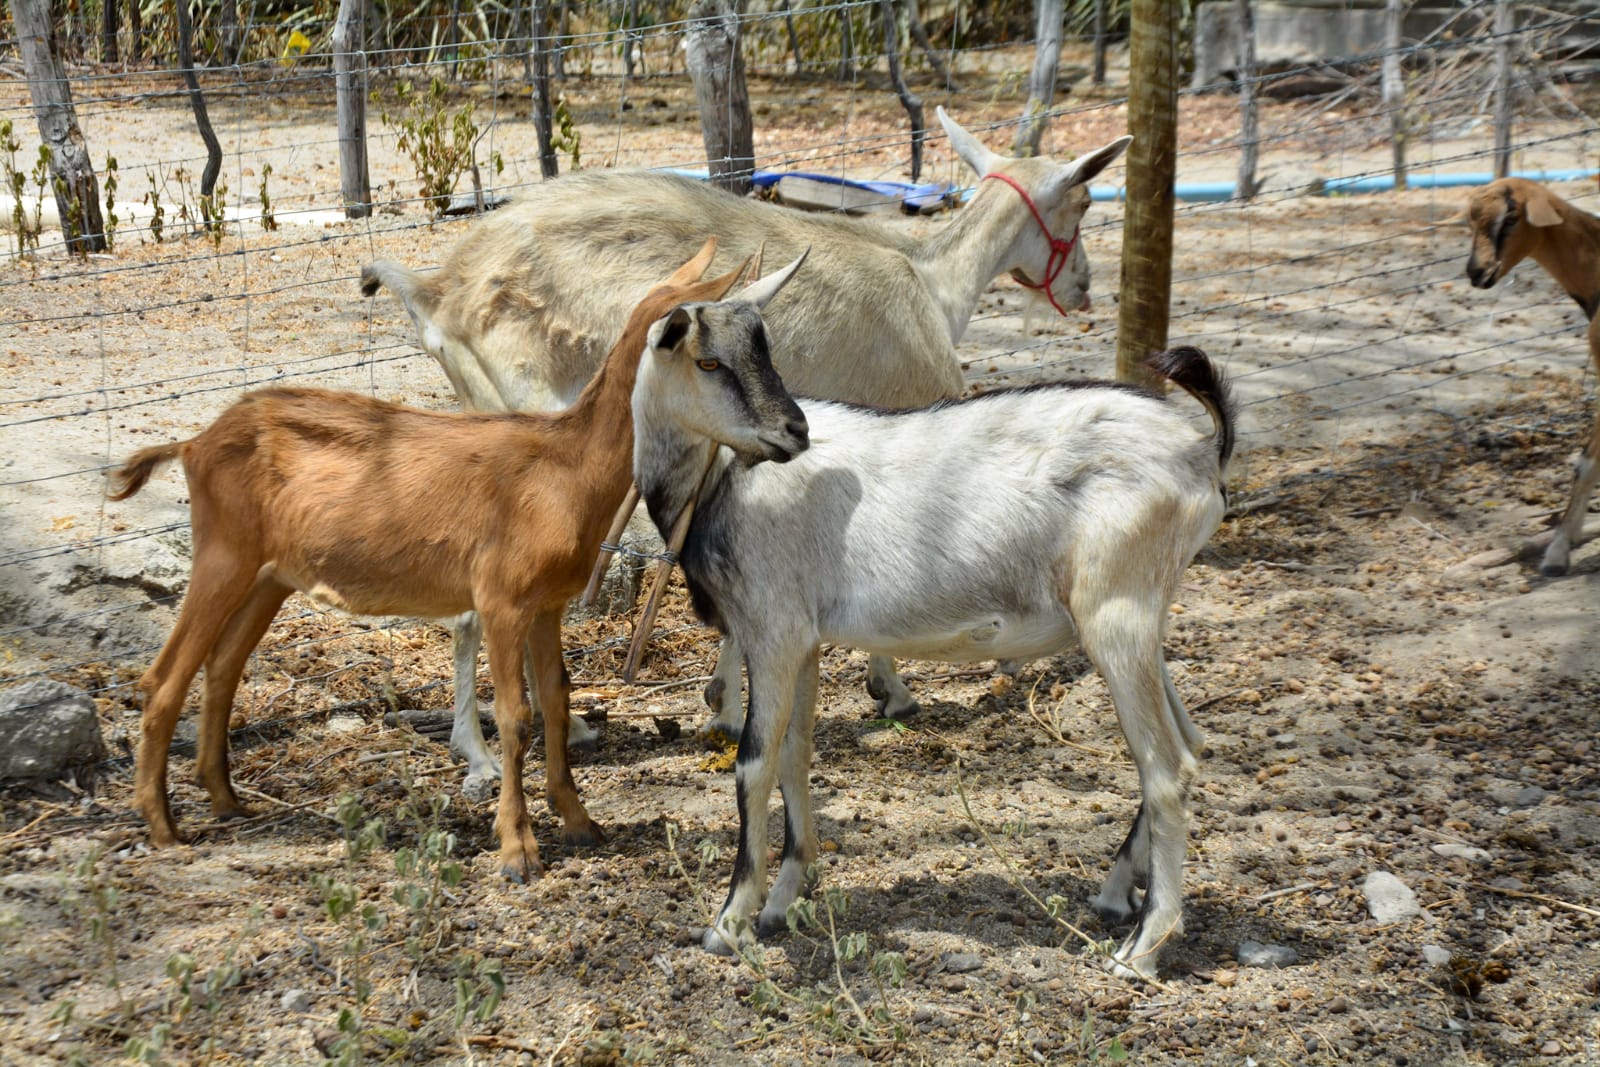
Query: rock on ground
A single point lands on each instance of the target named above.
(46, 729)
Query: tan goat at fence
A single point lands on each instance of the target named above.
(379, 509)
(1514, 219)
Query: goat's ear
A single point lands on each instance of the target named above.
(695, 269)
(667, 334)
(1539, 208)
(767, 288)
(1460, 218)
(1088, 167)
(972, 151)
(720, 287)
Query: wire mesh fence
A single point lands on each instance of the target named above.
(1341, 318)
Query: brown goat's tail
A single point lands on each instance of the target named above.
(1192, 371)
(131, 476)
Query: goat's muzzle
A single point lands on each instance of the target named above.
(1482, 277)
(793, 439)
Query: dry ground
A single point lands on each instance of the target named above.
(1385, 684)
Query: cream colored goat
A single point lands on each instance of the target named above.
(1514, 219)
(384, 510)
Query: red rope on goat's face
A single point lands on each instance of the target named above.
(1060, 251)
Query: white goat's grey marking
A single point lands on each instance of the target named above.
(1042, 516)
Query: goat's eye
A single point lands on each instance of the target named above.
(707, 364)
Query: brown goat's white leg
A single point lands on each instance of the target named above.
(224, 667)
(550, 679)
(219, 582)
(504, 632)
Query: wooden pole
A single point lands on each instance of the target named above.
(350, 95)
(1099, 42)
(543, 119)
(794, 38)
(1249, 110)
(1145, 300)
(1394, 87)
(717, 69)
(108, 31)
(1505, 22)
(76, 190)
(908, 99)
(1048, 16)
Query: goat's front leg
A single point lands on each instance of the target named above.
(773, 675)
(794, 779)
(466, 732)
(519, 852)
(1124, 644)
(889, 693)
(551, 681)
(1569, 534)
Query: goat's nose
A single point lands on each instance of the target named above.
(1087, 303)
(799, 429)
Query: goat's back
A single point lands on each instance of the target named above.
(541, 285)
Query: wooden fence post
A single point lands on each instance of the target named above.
(1249, 117)
(350, 96)
(1042, 83)
(908, 99)
(1145, 301)
(1099, 42)
(717, 68)
(1394, 88)
(542, 114)
(1505, 22)
(76, 190)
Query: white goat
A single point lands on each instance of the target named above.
(1513, 219)
(1003, 526)
(519, 315)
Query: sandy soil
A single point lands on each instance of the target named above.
(1386, 683)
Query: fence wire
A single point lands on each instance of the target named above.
(1320, 319)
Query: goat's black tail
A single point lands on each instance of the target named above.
(1192, 371)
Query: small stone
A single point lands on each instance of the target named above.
(297, 1001)
(1436, 955)
(961, 962)
(923, 1014)
(1455, 850)
(346, 724)
(1284, 741)
(1550, 1048)
(477, 788)
(1225, 979)
(1530, 796)
(1338, 1006)
(1255, 954)
(1389, 900)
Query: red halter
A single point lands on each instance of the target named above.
(1059, 250)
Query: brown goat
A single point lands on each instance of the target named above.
(1513, 219)
(379, 509)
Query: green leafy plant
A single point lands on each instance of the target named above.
(268, 221)
(111, 203)
(360, 920)
(567, 137)
(213, 213)
(439, 141)
(16, 183)
(41, 182)
(158, 214)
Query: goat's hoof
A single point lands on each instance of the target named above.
(586, 747)
(1114, 912)
(1135, 971)
(717, 737)
(586, 837)
(1554, 570)
(522, 871)
(714, 943)
(232, 814)
(713, 693)
(771, 925)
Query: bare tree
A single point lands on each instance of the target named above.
(76, 190)
(717, 69)
(908, 99)
(1042, 84)
(1144, 305)
(202, 118)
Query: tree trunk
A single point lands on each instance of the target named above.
(717, 68)
(108, 31)
(1145, 301)
(558, 58)
(1394, 89)
(542, 110)
(202, 117)
(1249, 118)
(1505, 23)
(847, 58)
(76, 190)
(794, 38)
(228, 38)
(350, 92)
(1099, 42)
(1042, 83)
(135, 30)
(908, 100)
(919, 33)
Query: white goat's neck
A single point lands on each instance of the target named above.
(984, 240)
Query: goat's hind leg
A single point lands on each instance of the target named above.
(466, 731)
(545, 665)
(224, 667)
(724, 695)
(1125, 645)
(888, 691)
(794, 780)
(1569, 534)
